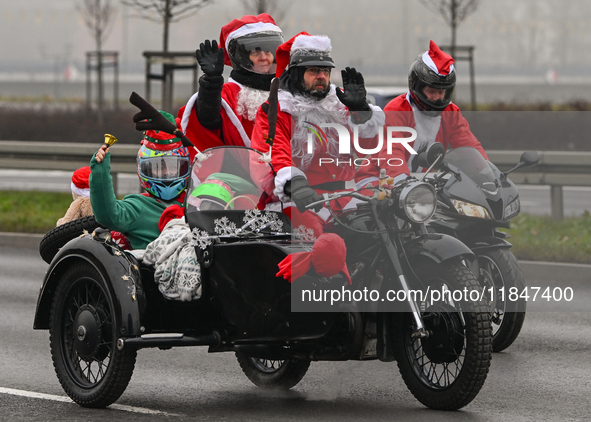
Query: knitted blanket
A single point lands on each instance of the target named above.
(177, 271)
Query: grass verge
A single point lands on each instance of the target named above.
(32, 212)
(534, 238)
(543, 239)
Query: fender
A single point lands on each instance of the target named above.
(437, 247)
(118, 270)
(487, 242)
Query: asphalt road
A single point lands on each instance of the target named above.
(544, 376)
(534, 199)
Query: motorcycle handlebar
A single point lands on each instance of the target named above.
(327, 197)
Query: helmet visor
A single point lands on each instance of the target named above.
(256, 53)
(165, 167)
(434, 96)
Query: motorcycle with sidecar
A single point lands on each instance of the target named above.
(101, 304)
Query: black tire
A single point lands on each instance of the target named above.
(58, 237)
(499, 268)
(83, 331)
(267, 373)
(446, 370)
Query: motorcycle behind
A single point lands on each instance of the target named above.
(475, 199)
(102, 304)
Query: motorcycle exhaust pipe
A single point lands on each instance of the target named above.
(167, 340)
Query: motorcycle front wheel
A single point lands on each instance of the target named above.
(83, 331)
(447, 369)
(500, 269)
(268, 373)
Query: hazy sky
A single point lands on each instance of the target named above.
(378, 36)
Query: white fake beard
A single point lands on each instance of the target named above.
(307, 109)
(249, 101)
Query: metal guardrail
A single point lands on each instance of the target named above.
(556, 168)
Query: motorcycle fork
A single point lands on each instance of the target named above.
(420, 331)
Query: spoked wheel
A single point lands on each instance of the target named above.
(83, 334)
(447, 369)
(499, 269)
(268, 373)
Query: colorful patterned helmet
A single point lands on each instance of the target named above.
(213, 194)
(163, 164)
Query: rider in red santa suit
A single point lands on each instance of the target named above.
(427, 108)
(307, 100)
(223, 113)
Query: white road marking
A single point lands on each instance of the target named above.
(34, 395)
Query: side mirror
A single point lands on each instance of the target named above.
(528, 159)
(432, 156)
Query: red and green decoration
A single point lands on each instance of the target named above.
(158, 137)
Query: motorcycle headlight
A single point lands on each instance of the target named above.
(470, 210)
(512, 209)
(418, 201)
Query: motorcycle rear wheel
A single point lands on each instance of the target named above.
(446, 370)
(500, 269)
(268, 373)
(83, 331)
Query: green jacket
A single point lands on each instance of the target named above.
(136, 215)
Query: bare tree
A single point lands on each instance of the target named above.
(97, 15)
(453, 12)
(167, 12)
(272, 7)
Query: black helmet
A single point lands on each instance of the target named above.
(240, 48)
(431, 74)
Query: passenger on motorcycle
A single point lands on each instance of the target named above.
(427, 108)
(306, 100)
(224, 114)
(163, 166)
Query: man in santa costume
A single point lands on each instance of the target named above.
(427, 108)
(306, 100)
(224, 113)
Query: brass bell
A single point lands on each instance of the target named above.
(109, 140)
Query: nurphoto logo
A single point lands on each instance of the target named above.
(316, 130)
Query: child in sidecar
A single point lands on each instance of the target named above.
(164, 165)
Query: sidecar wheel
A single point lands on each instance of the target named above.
(83, 331)
(500, 269)
(267, 373)
(59, 236)
(446, 370)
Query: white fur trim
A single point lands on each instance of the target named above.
(251, 28)
(236, 122)
(312, 42)
(429, 62)
(284, 175)
(371, 128)
(187, 112)
(79, 191)
(233, 118)
(364, 182)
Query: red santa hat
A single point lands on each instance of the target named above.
(304, 50)
(79, 183)
(438, 61)
(246, 25)
(328, 257)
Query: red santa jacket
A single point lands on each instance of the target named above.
(450, 129)
(323, 167)
(236, 130)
